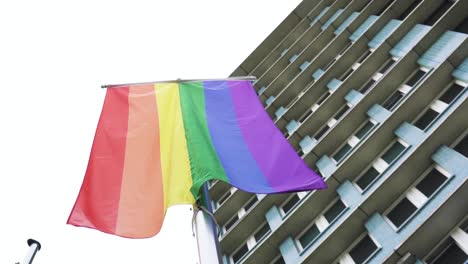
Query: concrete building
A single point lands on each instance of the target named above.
(372, 95)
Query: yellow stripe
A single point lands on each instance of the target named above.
(177, 178)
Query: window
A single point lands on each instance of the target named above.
(416, 77)
(309, 236)
(393, 152)
(387, 66)
(451, 93)
(323, 98)
(462, 146)
(367, 178)
(364, 56)
(431, 182)
(250, 203)
(409, 9)
(345, 48)
(438, 12)
(363, 250)
(367, 86)
(342, 152)
(341, 112)
(305, 115)
(329, 64)
(262, 232)
(231, 222)
(333, 212)
(240, 253)
(279, 260)
(453, 254)
(361, 133)
(393, 100)
(223, 198)
(426, 119)
(384, 8)
(402, 211)
(289, 205)
(321, 132)
(346, 74)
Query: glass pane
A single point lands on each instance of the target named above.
(240, 253)
(332, 213)
(462, 146)
(387, 66)
(321, 132)
(325, 96)
(231, 222)
(431, 182)
(364, 56)
(364, 130)
(367, 86)
(451, 93)
(415, 78)
(342, 153)
(289, 205)
(309, 236)
(367, 178)
(426, 119)
(401, 212)
(224, 198)
(280, 260)
(452, 255)
(262, 232)
(393, 152)
(253, 200)
(362, 251)
(341, 112)
(346, 74)
(393, 100)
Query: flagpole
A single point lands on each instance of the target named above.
(205, 230)
(244, 78)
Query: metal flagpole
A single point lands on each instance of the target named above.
(206, 235)
(34, 247)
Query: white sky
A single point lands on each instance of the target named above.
(54, 55)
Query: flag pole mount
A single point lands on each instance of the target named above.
(34, 247)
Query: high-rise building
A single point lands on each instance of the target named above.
(373, 96)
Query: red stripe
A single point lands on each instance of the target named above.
(98, 201)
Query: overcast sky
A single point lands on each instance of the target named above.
(54, 55)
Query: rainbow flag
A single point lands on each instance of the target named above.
(157, 144)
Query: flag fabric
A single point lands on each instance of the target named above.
(157, 144)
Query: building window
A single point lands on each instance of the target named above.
(305, 115)
(341, 112)
(393, 152)
(431, 182)
(333, 212)
(402, 211)
(451, 93)
(342, 152)
(223, 198)
(309, 236)
(240, 253)
(462, 146)
(426, 119)
(231, 222)
(329, 64)
(361, 133)
(367, 86)
(387, 66)
(364, 56)
(290, 204)
(323, 98)
(321, 132)
(345, 48)
(250, 203)
(278, 260)
(416, 77)
(367, 178)
(262, 232)
(346, 74)
(363, 250)
(393, 100)
(453, 254)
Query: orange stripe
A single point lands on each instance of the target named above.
(141, 206)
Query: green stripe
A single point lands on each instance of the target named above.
(204, 162)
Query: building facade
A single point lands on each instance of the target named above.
(373, 96)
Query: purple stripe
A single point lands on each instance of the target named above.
(284, 169)
(239, 165)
